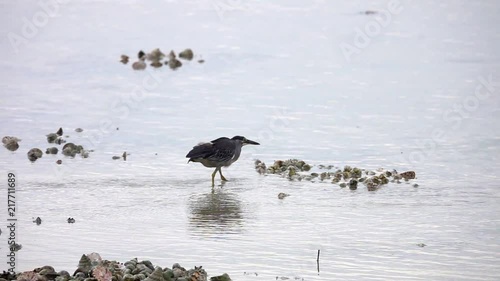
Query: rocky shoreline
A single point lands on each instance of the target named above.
(92, 267)
(347, 176)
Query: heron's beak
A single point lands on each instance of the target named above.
(250, 142)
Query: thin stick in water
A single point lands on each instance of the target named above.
(317, 261)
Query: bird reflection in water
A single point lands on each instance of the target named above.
(217, 212)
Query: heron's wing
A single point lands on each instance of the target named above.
(223, 150)
(203, 150)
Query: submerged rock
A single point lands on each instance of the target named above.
(78, 130)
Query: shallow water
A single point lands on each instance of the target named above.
(274, 73)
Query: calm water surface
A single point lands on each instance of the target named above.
(274, 73)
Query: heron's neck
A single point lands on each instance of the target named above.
(237, 153)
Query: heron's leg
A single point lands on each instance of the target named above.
(213, 177)
(221, 176)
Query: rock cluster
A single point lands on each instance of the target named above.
(156, 56)
(348, 176)
(92, 267)
(69, 149)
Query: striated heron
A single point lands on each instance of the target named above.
(219, 153)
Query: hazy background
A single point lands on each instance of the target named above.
(277, 73)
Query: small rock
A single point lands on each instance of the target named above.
(124, 155)
(148, 264)
(15, 247)
(34, 154)
(353, 184)
(11, 145)
(69, 152)
(201, 61)
(71, 220)
(78, 130)
(186, 54)
(124, 59)
(282, 195)
(409, 175)
(141, 55)
(38, 221)
(59, 162)
(171, 55)
(223, 277)
(155, 56)
(421, 245)
(84, 153)
(343, 184)
(139, 65)
(128, 277)
(156, 64)
(115, 157)
(59, 132)
(51, 150)
(306, 167)
(174, 63)
(8, 139)
(415, 185)
(51, 138)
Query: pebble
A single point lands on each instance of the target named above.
(282, 195)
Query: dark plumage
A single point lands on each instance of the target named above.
(218, 153)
